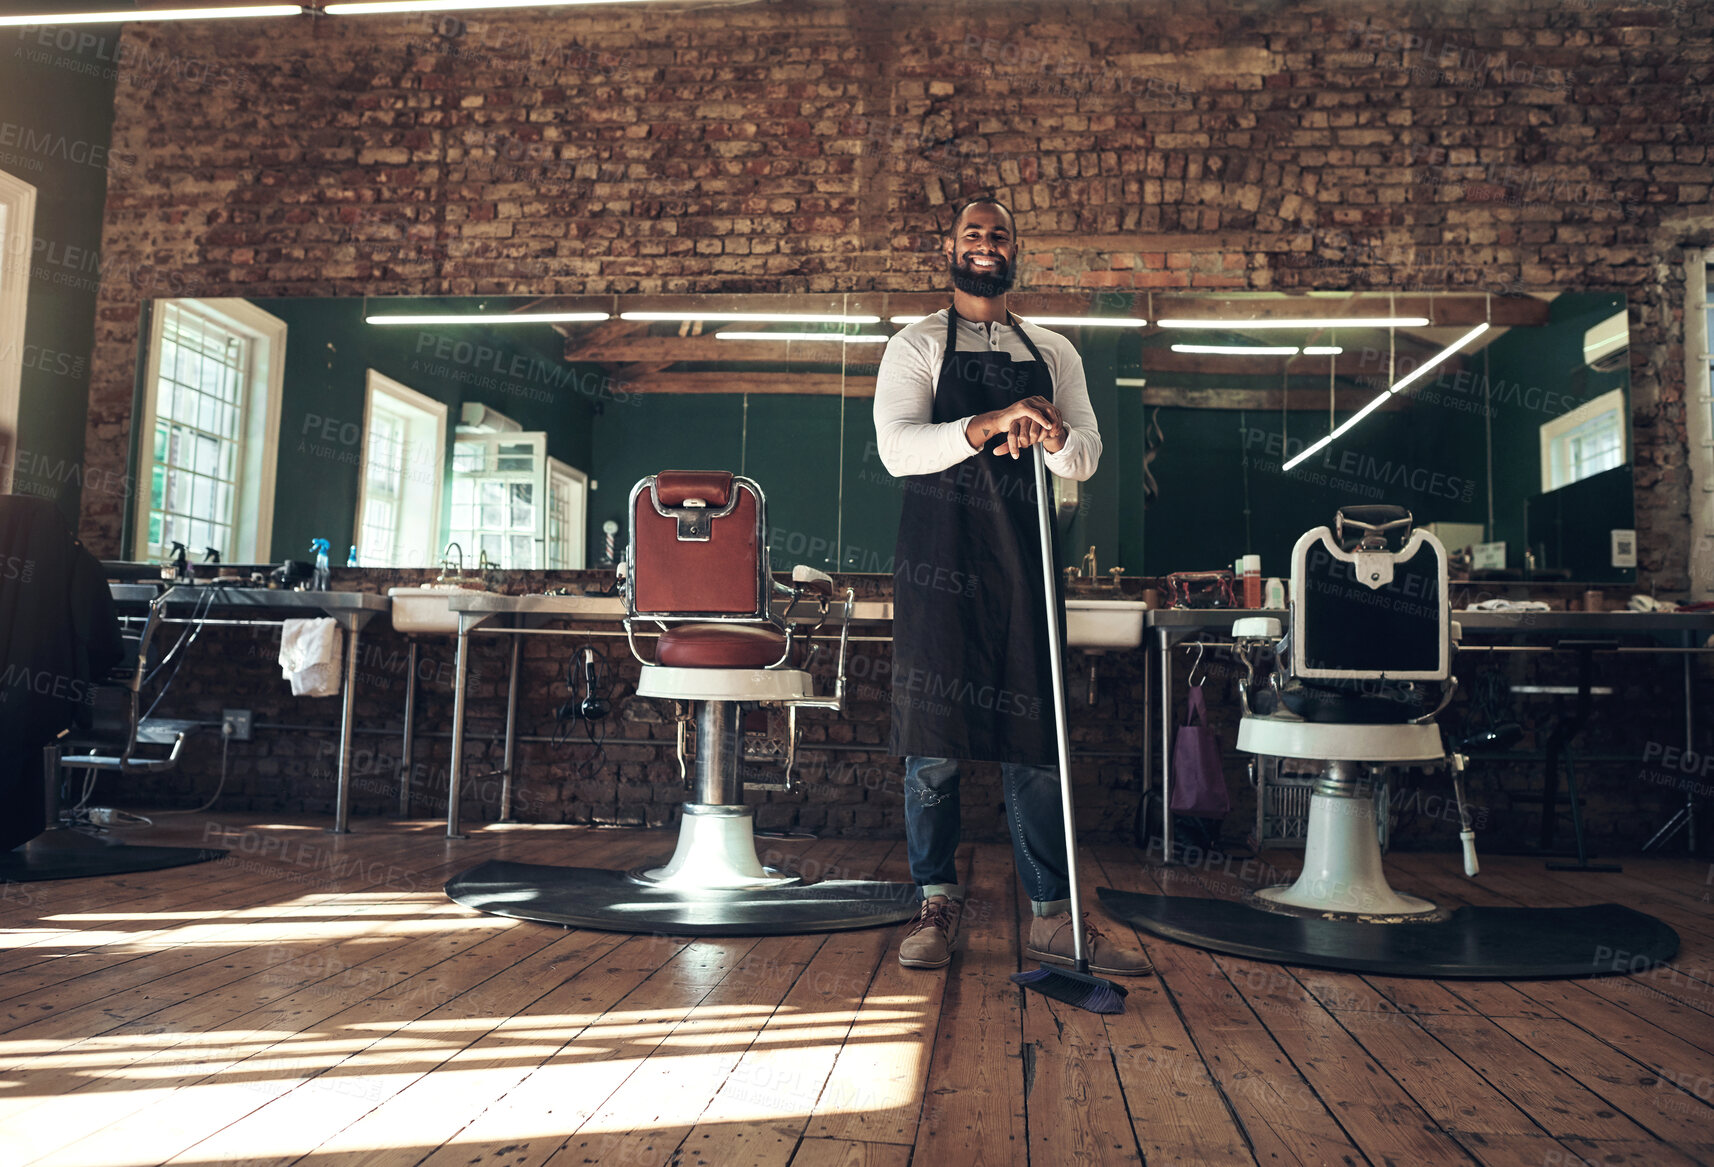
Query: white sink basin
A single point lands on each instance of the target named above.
(1099, 624)
(422, 610)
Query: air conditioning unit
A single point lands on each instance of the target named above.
(1606, 347)
(474, 418)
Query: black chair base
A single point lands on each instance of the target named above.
(609, 901)
(1475, 943)
(63, 854)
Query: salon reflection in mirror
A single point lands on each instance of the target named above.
(265, 424)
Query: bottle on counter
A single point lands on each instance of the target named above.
(1273, 595)
(351, 556)
(323, 575)
(1251, 568)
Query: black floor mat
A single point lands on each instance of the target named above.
(80, 857)
(1508, 943)
(590, 897)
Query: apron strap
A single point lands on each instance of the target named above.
(1018, 327)
(951, 351)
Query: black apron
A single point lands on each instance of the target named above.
(970, 649)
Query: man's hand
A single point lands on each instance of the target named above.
(1023, 424)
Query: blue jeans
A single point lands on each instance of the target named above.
(1034, 813)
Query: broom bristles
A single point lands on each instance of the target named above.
(1074, 988)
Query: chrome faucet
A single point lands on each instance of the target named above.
(447, 563)
(1089, 570)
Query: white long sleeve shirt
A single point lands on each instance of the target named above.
(911, 443)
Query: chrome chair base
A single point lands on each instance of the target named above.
(716, 851)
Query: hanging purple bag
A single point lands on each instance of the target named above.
(1198, 784)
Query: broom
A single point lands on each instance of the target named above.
(1075, 986)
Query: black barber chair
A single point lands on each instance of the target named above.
(68, 700)
(698, 573)
(1361, 671)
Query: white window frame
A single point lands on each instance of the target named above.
(253, 525)
(18, 198)
(379, 384)
(538, 478)
(577, 535)
(1553, 431)
(1699, 401)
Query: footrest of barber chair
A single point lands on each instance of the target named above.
(609, 901)
(1475, 943)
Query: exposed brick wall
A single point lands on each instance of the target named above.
(806, 147)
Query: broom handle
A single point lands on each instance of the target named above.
(1055, 656)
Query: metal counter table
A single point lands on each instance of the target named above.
(525, 616)
(353, 610)
(1172, 626)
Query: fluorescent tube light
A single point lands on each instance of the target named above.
(1442, 355)
(754, 317)
(1314, 350)
(1056, 321)
(1432, 362)
(480, 318)
(1346, 322)
(1239, 350)
(1087, 321)
(126, 15)
(869, 338)
(1347, 424)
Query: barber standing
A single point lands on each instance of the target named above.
(961, 397)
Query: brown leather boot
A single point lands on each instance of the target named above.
(1051, 941)
(929, 942)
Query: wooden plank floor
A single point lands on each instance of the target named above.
(318, 1000)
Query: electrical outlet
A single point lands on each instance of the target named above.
(235, 724)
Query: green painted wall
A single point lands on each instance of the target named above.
(56, 119)
(788, 444)
(1536, 376)
(1223, 493)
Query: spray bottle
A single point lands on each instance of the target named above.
(322, 576)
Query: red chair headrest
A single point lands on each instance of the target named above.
(673, 488)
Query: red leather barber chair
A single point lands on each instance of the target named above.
(731, 646)
(698, 571)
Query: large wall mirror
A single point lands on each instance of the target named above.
(1232, 422)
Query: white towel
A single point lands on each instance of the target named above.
(310, 655)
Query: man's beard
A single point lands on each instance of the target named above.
(984, 285)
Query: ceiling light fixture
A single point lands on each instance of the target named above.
(1056, 321)
(127, 15)
(753, 317)
(1346, 322)
(479, 318)
(1238, 350)
(860, 338)
(1086, 321)
(1433, 362)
